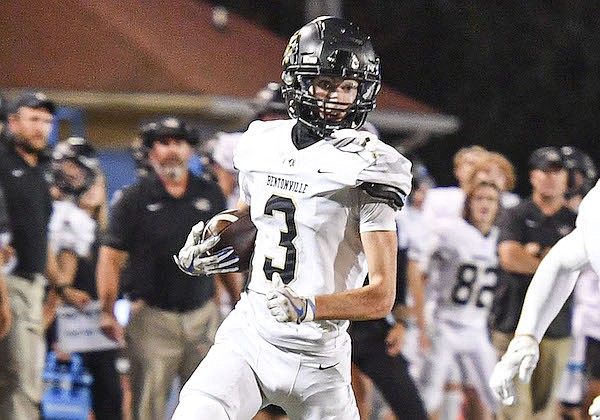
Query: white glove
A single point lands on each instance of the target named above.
(594, 410)
(286, 306)
(520, 359)
(194, 261)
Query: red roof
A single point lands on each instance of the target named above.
(142, 46)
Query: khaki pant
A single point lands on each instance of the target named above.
(536, 400)
(23, 351)
(161, 346)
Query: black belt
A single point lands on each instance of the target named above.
(154, 302)
(176, 308)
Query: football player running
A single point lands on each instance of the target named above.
(546, 295)
(461, 263)
(323, 197)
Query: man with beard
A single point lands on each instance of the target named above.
(28, 201)
(173, 317)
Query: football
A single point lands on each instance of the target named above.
(236, 229)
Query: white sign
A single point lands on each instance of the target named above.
(79, 331)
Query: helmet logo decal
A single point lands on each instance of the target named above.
(291, 49)
(171, 123)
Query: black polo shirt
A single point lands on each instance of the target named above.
(29, 204)
(5, 228)
(152, 225)
(526, 223)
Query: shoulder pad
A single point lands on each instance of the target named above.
(388, 167)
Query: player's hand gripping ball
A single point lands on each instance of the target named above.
(225, 244)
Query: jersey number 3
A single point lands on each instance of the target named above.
(285, 205)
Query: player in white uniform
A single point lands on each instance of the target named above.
(547, 292)
(323, 198)
(461, 264)
(71, 230)
(588, 296)
(471, 163)
(448, 201)
(413, 233)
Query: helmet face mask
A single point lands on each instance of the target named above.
(75, 166)
(582, 171)
(332, 48)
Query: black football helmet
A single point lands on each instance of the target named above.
(333, 47)
(140, 155)
(269, 100)
(582, 171)
(74, 180)
(167, 127)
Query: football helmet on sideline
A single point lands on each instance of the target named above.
(269, 103)
(332, 47)
(170, 127)
(75, 166)
(582, 170)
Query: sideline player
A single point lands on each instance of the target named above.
(546, 295)
(323, 198)
(461, 265)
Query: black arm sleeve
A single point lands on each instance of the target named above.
(390, 195)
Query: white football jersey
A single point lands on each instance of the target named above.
(413, 231)
(587, 296)
(462, 265)
(589, 224)
(309, 214)
(71, 228)
(443, 202)
(222, 153)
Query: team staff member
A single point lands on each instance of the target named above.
(527, 231)
(173, 317)
(22, 352)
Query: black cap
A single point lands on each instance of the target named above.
(545, 158)
(35, 100)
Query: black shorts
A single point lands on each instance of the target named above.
(592, 357)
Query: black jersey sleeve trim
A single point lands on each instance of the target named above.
(393, 196)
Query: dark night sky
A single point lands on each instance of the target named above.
(519, 74)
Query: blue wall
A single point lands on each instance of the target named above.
(119, 167)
